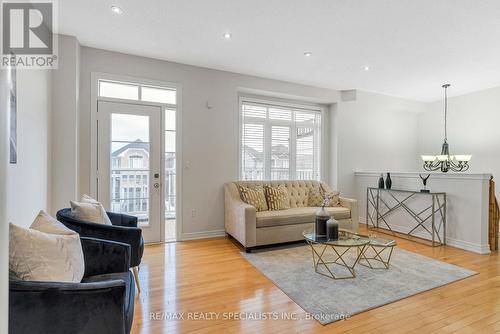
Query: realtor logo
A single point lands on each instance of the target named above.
(28, 38)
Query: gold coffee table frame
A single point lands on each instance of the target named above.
(340, 247)
(381, 252)
(380, 256)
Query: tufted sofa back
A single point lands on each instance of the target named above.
(298, 190)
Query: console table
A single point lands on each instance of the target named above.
(430, 220)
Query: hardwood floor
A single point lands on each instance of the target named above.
(211, 278)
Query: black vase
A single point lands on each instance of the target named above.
(320, 224)
(381, 182)
(388, 181)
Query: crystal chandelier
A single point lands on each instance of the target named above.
(445, 161)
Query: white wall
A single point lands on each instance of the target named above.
(374, 132)
(4, 226)
(473, 128)
(64, 125)
(209, 137)
(27, 181)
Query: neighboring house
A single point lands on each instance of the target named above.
(130, 180)
(280, 164)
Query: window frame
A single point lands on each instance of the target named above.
(290, 105)
(140, 86)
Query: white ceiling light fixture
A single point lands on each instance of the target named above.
(227, 35)
(367, 68)
(116, 10)
(307, 54)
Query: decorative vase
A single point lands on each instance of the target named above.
(332, 229)
(322, 216)
(381, 182)
(388, 181)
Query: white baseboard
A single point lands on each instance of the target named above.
(202, 235)
(465, 245)
(468, 246)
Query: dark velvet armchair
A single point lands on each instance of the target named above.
(102, 303)
(124, 229)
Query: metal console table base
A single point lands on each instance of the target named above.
(425, 220)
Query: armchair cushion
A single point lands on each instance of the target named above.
(38, 256)
(90, 210)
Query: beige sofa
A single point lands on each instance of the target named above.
(252, 228)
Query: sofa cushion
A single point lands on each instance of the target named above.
(253, 196)
(277, 197)
(297, 216)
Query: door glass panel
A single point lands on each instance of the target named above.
(170, 174)
(130, 169)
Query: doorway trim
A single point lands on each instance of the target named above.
(94, 98)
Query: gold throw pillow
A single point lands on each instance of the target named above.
(277, 197)
(253, 196)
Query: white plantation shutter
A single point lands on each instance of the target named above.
(280, 153)
(280, 142)
(252, 151)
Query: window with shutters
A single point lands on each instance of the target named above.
(280, 142)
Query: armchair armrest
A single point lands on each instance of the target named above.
(239, 217)
(57, 308)
(351, 204)
(128, 235)
(120, 219)
(104, 256)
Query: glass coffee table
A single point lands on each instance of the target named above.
(347, 251)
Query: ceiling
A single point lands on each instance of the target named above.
(411, 46)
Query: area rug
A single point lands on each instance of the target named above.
(328, 300)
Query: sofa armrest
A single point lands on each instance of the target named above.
(57, 308)
(351, 204)
(239, 217)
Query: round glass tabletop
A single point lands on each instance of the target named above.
(346, 239)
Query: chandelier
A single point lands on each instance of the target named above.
(445, 161)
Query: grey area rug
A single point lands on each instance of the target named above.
(328, 300)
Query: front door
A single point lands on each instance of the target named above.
(129, 166)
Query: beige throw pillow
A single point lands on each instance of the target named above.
(254, 196)
(89, 210)
(277, 197)
(48, 251)
(332, 197)
(319, 196)
(316, 197)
